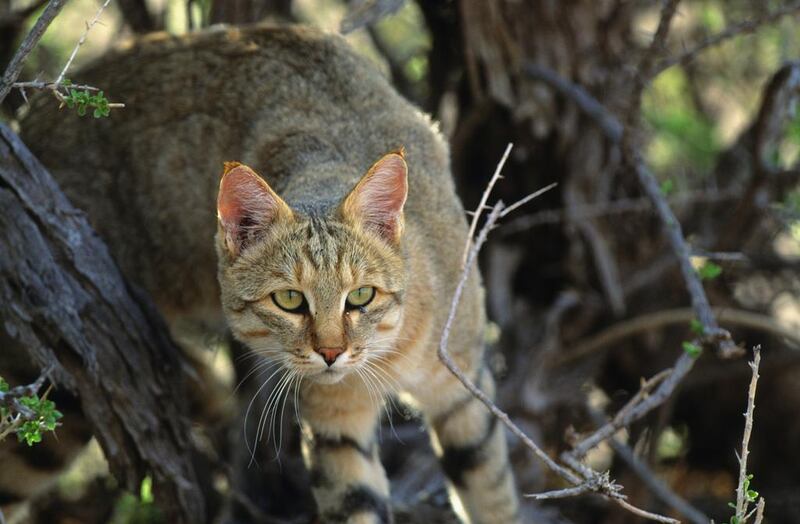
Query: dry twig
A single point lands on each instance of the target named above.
(74, 53)
(15, 66)
(742, 28)
(742, 497)
(60, 88)
(582, 478)
(615, 207)
(657, 320)
(659, 488)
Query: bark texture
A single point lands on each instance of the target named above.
(65, 303)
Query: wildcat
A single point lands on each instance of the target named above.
(333, 251)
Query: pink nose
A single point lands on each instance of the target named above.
(330, 354)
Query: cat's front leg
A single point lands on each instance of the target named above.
(341, 453)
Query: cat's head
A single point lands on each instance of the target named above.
(322, 295)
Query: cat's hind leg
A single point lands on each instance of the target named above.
(471, 446)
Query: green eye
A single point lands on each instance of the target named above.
(360, 297)
(289, 300)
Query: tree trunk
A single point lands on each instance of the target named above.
(65, 303)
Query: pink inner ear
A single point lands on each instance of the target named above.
(379, 197)
(245, 205)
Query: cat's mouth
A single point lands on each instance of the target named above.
(330, 375)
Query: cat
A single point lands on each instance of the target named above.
(333, 251)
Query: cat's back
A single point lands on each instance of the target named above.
(299, 106)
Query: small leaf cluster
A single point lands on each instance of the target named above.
(46, 418)
(750, 496)
(697, 327)
(82, 101)
(41, 415)
(692, 349)
(709, 271)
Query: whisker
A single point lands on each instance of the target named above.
(268, 364)
(252, 450)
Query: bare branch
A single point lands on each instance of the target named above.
(74, 53)
(659, 488)
(742, 28)
(28, 390)
(614, 131)
(615, 207)
(444, 356)
(15, 66)
(760, 511)
(587, 103)
(586, 479)
(367, 12)
(61, 88)
(525, 200)
(741, 490)
(560, 493)
(482, 204)
(659, 319)
(646, 514)
(644, 71)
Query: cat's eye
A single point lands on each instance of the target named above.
(360, 297)
(289, 300)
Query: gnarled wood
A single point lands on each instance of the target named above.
(64, 301)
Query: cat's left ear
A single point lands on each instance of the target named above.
(377, 200)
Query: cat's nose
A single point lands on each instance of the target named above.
(330, 354)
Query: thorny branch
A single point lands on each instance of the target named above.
(656, 390)
(34, 35)
(585, 479)
(60, 88)
(74, 53)
(659, 488)
(644, 71)
(742, 497)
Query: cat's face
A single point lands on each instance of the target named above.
(321, 296)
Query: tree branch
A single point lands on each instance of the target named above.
(65, 303)
(582, 478)
(742, 28)
(15, 66)
(742, 498)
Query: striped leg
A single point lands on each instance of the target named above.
(471, 446)
(347, 478)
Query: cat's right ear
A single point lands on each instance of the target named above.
(246, 206)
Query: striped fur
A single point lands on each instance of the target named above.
(341, 205)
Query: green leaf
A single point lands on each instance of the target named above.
(29, 433)
(4, 387)
(97, 113)
(752, 495)
(146, 490)
(697, 327)
(691, 349)
(667, 187)
(81, 109)
(709, 271)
